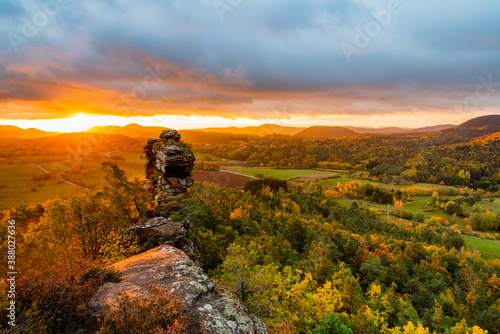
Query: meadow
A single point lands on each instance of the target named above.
(490, 249)
(278, 173)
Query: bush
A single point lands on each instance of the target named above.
(484, 221)
(55, 297)
(420, 217)
(406, 214)
(159, 312)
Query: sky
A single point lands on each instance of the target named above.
(67, 65)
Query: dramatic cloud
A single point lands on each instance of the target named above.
(248, 58)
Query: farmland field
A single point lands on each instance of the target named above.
(489, 249)
(223, 179)
(278, 173)
(18, 187)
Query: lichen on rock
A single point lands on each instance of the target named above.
(169, 164)
(209, 307)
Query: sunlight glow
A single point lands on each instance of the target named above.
(82, 121)
(76, 123)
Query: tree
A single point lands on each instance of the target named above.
(92, 218)
(334, 323)
(130, 198)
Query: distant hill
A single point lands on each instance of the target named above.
(132, 130)
(384, 130)
(473, 128)
(90, 142)
(200, 137)
(262, 130)
(397, 130)
(10, 131)
(323, 132)
(433, 128)
(486, 124)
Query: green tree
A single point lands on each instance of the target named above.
(334, 323)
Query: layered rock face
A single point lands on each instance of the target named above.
(169, 163)
(209, 308)
(164, 231)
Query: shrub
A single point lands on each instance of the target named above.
(156, 313)
(483, 221)
(406, 214)
(55, 297)
(420, 217)
(285, 327)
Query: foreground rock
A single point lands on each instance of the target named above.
(208, 307)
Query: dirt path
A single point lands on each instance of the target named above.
(252, 177)
(224, 179)
(63, 180)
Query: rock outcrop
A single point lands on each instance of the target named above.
(169, 163)
(164, 231)
(170, 260)
(209, 308)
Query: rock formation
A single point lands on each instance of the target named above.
(209, 308)
(164, 231)
(170, 260)
(169, 163)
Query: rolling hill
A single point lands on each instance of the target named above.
(398, 130)
(433, 128)
(262, 130)
(383, 130)
(132, 130)
(10, 131)
(466, 131)
(323, 132)
(486, 124)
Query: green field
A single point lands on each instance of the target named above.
(16, 183)
(486, 204)
(333, 182)
(490, 249)
(278, 173)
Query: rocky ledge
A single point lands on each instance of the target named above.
(209, 308)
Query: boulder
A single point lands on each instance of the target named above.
(163, 231)
(209, 307)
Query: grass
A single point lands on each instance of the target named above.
(17, 181)
(486, 204)
(333, 181)
(490, 249)
(278, 173)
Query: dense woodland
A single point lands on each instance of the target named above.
(301, 261)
